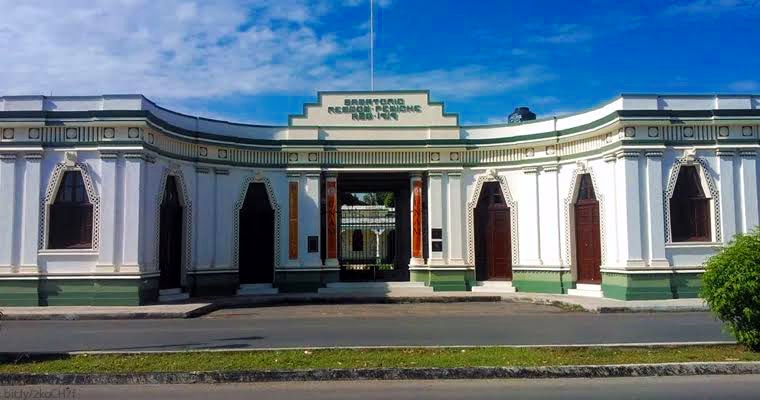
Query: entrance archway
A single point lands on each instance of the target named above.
(256, 244)
(493, 246)
(588, 249)
(170, 237)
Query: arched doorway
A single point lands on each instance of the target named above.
(170, 237)
(493, 246)
(588, 249)
(256, 249)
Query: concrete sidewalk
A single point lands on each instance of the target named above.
(199, 307)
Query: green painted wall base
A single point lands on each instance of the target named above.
(221, 284)
(303, 281)
(651, 286)
(78, 292)
(557, 282)
(442, 280)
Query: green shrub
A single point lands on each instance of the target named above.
(731, 287)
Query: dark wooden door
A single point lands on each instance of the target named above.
(170, 238)
(493, 246)
(588, 250)
(499, 249)
(256, 241)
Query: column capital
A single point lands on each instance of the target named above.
(748, 153)
(33, 156)
(653, 153)
(722, 152)
(293, 175)
(109, 155)
(137, 156)
(202, 170)
(436, 174)
(628, 154)
(221, 171)
(415, 175)
(609, 158)
(8, 156)
(530, 170)
(550, 168)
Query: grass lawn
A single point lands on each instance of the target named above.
(373, 358)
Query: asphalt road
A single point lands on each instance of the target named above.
(673, 388)
(363, 325)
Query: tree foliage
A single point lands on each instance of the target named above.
(731, 287)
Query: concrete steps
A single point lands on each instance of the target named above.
(251, 289)
(494, 287)
(170, 295)
(586, 290)
(376, 288)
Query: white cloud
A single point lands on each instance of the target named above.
(564, 34)
(707, 7)
(173, 50)
(744, 86)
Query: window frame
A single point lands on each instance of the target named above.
(684, 207)
(70, 211)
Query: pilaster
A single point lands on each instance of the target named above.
(222, 214)
(629, 208)
(31, 213)
(134, 244)
(749, 190)
(108, 211)
(654, 209)
(436, 218)
(530, 219)
(454, 235)
(548, 214)
(729, 209)
(8, 211)
(310, 225)
(205, 215)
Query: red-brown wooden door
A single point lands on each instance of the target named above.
(588, 251)
(499, 246)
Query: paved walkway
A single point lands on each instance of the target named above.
(200, 307)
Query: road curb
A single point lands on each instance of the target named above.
(588, 371)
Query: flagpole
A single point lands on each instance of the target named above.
(371, 45)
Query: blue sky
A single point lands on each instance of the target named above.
(260, 60)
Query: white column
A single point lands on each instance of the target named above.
(529, 220)
(729, 209)
(222, 218)
(31, 213)
(629, 208)
(8, 210)
(133, 242)
(612, 229)
(455, 238)
(108, 212)
(655, 211)
(548, 213)
(435, 215)
(309, 219)
(749, 190)
(204, 210)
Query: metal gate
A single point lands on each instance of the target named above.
(367, 244)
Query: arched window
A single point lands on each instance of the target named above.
(71, 214)
(586, 189)
(357, 240)
(689, 208)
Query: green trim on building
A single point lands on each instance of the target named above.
(651, 286)
(19, 293)
(303, 281)
(443, 280)
(216, 284)
(557, 282)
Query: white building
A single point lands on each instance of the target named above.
(112, 199)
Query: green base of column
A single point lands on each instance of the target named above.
(557, 282)
(303, 281)
(221, 284)
(442, 280)
(651, 286)
(19, 293)
(78, 292)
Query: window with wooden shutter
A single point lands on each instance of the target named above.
(71, 215)
(689, 208)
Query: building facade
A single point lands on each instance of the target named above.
(115, 200)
